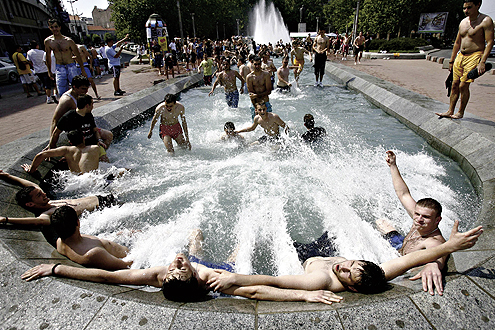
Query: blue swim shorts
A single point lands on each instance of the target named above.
(395, 239)
(232, 98)
(65, 73)
(223, 265)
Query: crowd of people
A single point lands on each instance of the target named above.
(189, 278)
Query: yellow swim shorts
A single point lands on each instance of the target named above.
(465, 63)
(300, 64)
(103, 152)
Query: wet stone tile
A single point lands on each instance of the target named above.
(200, 320)
(300, 321)
(484, 276)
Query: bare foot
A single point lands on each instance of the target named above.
(384, 226)
(444, 115)
(457, 116)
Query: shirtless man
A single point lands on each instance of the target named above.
(184, 280)
(170, 128)
(227, 78)
(345, 46)
(320, 47)
(474, 31)
(283, 75)
(424, 234)
(80, 157)
(259, 86)
(358, 48)
(64, 48)
(33, 198)
(88, 67)
(86, 250)
(297, 58)
(244, 70)
(270, 122)
(267, 65)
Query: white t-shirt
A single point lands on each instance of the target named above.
(37, 57)
(54, 62)
(101, 51)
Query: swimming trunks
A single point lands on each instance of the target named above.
(96, 63)
(64, 75)
(103, 152)
(395, 239)
(106, 201)
(171, 130)
(268, 138)
(268, 109)
(322, 247)
(465, 63)
(232, 98)
(300, 64)
(228, 266)
(86, 69)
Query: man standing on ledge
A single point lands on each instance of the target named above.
(474, 31)
(114, 61)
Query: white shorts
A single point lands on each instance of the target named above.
(28, 78)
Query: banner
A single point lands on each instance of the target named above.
(432, 22)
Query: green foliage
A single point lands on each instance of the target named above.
(397, 44)
(95, 39)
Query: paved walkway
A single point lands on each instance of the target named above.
(428, 78)
(20, 116)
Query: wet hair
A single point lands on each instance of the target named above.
(33, 44)
(75, 137)
(53, 21)
(83, 101)
(79, 81)
(372, 279)
(251, 57)
(259, 101)
(256, 58)
(229, 126)
(309, 121)
(285, 58)
(183, 291)
(430, 203)
(170, 98)
(64, 221)
(22, 197)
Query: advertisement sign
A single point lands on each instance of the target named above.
(432, 22)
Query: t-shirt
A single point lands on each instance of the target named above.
(314, 134)
(110, 52)
(18, 57)
(36, 56)
(72, 121)
(208, 66)
(54, 62)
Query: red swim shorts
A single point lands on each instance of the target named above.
(173, 130)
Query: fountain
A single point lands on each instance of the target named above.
(268, 26)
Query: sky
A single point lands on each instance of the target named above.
(85, 7)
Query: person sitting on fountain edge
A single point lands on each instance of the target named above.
(184, 280)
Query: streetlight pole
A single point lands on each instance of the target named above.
(74, 16)
(354, 30)
(180, 22)
(217, 32)
(317, 21)
(237, 20)
(194, 28)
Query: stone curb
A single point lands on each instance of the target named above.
(63, 303)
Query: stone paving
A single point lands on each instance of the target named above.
(53, 303)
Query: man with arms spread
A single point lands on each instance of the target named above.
(86, 250)
(227, 78)
(63, 47)
(297, 58)
(114, 62)
(186, 281)
(81, 158)
(170, 128)
(358, 48)
(283, 75)
(474, 31)
(259, 86)
(424, 234)
(320, 47)
(270, 122)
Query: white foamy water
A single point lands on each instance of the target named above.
(261, 198)
(267, 24)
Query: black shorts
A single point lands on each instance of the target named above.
(358, 49)
(45, 79)
(322, 247)
(158, 61)
(284, 88)
(106, 201)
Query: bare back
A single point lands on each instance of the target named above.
(86, 57)
(83, 160)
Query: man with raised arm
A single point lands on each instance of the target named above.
(64, 49)
(469, 52)
(170, 110)
(424, 234)
(184, 280)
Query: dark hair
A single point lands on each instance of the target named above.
(75, 137)
(183, 291)
(372, 279)
(475, 2)
(309, 121)
(33, 44)
(256, 58)
(53, 21)
(170, 98)
(229, 126)
(22, 197)
(431, 203)
(79, 81)
(83, 101)
(64, 221)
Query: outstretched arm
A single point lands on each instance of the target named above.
(400, 186)
(16, 180)
(457, 241)
(40, 157)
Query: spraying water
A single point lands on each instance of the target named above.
(268, 25)
(262, 199)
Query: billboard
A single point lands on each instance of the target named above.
(432, 22)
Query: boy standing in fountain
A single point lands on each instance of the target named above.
(424, 234)
(474, 31)
(320, 47)
(259, 86)
(270, 122)
(227, 78)
(283, 75)
(170, 128)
